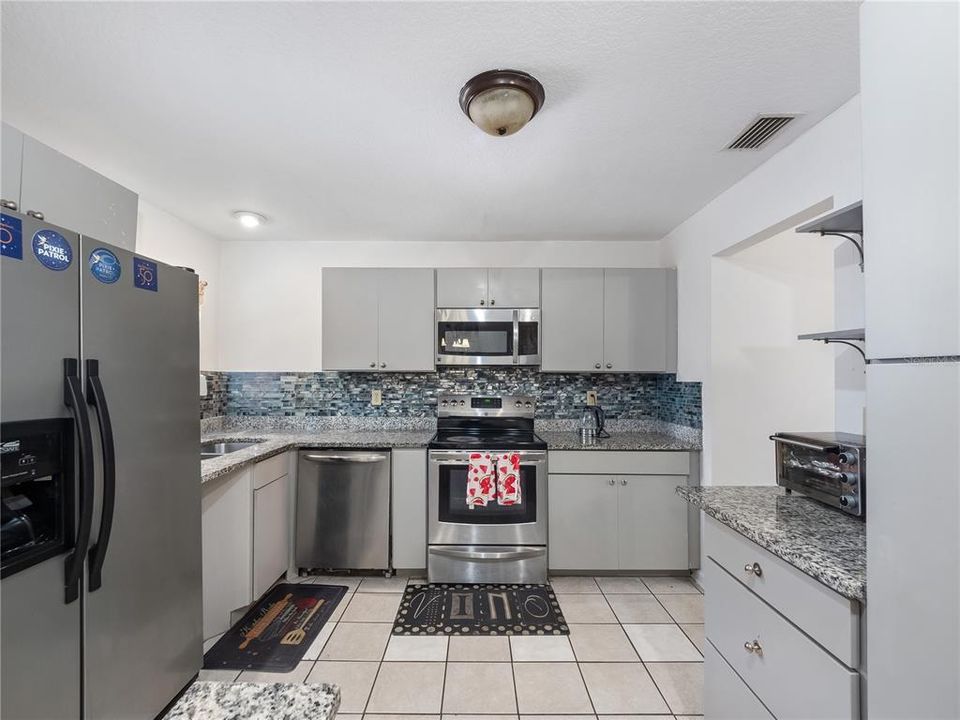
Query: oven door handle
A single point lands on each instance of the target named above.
(457, 457)
(488, 556)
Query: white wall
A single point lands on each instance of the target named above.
(761, 378)
(169, 239)
(270, 302)
(818, 172)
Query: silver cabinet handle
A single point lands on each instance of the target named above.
(373, 365)
(492, 302)
(597, 366)
(352, 458)
(754, 569)
(623, 482)
(611, 481)
(482, 301)
(609, 365)
(8, 204)
(35, 214)
(383, 364)
(753, 647)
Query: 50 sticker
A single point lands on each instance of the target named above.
(144, 274)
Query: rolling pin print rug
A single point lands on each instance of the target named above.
(442, 609)
(276, 632)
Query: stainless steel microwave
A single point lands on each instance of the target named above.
(480, 336)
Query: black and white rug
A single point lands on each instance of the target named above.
(449, 609)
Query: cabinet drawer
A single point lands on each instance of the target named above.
(614, 462)
(794, 677)
(269, 470)
(830, 619)
(725, 695)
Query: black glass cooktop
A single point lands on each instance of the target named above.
(486, 440)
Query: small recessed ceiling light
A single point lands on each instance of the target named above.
(249, 219)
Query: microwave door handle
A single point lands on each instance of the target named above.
(73, 399)
(516, 337)
(97, 398)
(822, 447)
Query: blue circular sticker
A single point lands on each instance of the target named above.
(104, 266)
(52, 249)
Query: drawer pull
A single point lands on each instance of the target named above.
(753, 569)
(753, 647)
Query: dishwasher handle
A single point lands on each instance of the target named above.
(345, 457)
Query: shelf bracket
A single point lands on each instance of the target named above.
(857, 243)
(848, 343)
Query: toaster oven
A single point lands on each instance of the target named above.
(829, 467)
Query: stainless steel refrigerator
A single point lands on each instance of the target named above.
(100, 597)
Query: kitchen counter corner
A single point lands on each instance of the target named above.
(212, 700)
(821, 542)
(625, 441)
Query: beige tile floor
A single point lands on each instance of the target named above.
(634, 653)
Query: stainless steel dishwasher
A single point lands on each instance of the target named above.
(343, 509)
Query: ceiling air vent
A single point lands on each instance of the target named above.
(759, 131)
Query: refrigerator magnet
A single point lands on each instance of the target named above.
(52, 249)
(11, 237)
(104, 266)
(144, 274)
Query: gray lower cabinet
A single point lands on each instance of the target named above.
(409, 508)
(618, 510)
(609, 320)
(583, 520)
(377, 319)
(771, 624)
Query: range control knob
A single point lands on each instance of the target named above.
(847, 458)
(443, 403)
(528, 404)
(518, 403)
(462, 403)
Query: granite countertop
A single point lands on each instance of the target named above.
(211, 700)
(822, 542)
(640, 440)
(274, 443)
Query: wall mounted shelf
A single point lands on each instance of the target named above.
(840, 337)
(845, 223)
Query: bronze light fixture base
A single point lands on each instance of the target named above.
(510, 82)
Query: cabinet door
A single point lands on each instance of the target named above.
(461, 287)
(271, 533)
(409, 509)
(571, 323)
(513, 287)
(11, 147)
(226, 549)
(406, 319)
(350, 318)
(635, 314)
(653, 523)
(582, 522)
(74, 196)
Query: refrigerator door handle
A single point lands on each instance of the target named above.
(73, 399)
(96, 397)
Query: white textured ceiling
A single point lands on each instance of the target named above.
(340, 120)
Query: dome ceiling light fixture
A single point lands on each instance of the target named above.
(500, 102)
(249, 219)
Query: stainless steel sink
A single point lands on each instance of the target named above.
(216, 449)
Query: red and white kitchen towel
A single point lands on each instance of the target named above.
(493, 479)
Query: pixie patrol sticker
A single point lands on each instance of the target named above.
(104, 266)
(52, 249)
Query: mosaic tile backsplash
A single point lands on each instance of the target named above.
(559, 396)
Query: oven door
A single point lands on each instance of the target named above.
(488, 337)
(451, 522)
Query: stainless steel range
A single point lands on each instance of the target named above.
(498, 541)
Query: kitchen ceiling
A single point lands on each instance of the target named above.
(340, 121)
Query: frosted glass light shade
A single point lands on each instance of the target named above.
(501, 111)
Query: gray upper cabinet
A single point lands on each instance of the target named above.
(513, 287)
(571, 322)
(494, 287)
(350, 319)
(461, 287)
(11, 148)
(406, 319)
(612, 320)
(74, 196)
(377, 319)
